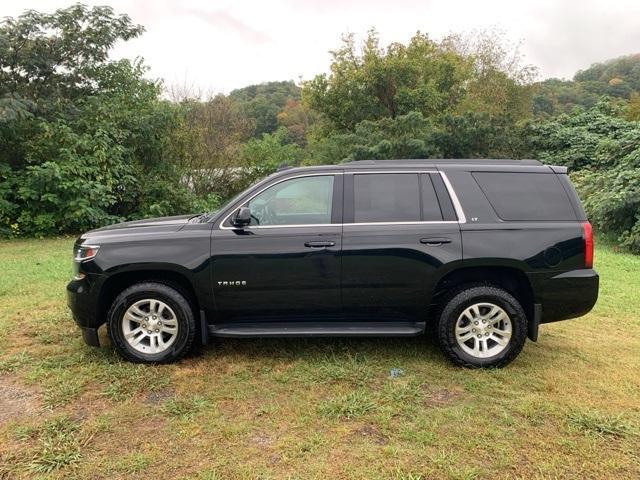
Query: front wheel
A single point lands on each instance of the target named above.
(151, 323)
(482, 326)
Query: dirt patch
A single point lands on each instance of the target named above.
(16, 400)
(261, 439)
(441, 397)
(372, 432)
(159, 396)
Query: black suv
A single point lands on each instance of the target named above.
(477, 252)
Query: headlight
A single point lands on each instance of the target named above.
(85, 252)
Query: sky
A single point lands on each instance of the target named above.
(217, 45)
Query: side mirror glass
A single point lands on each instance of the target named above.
(242, 217)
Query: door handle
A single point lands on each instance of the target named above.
(435, 241)
(319, 244)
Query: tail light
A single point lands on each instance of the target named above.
(587, 235)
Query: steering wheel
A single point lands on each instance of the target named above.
(269, 215)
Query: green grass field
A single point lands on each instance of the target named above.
(568, 407)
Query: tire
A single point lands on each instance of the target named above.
(482, 326)
(151, 322)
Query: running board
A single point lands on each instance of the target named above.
(317, 329)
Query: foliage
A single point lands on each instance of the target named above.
(618, 78)
(472, 135)
(298, 119)
(425, 76)
(263, 156)
(500, 84)
(263, 102)
(85, 140)
(406, 136)
(376, 83)
(211, 138)
(603, 150)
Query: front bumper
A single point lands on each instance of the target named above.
(82, 300)
(566, 295)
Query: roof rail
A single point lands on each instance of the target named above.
(482, 161)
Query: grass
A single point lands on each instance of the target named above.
(313, 408)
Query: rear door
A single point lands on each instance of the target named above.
(400, 229)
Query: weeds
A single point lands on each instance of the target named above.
(351, 405)
(598, 424)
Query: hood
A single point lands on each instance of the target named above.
(149, 227)
(176, 222)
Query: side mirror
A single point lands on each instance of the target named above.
(242, 218)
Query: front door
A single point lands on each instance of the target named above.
(286, 263)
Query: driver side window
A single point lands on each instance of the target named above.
(299, 201)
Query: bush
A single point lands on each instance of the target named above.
(603, 151)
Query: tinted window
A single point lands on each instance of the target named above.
(446, 206)
(430, 206)
(526, 196)
(386, 197)
(299, 201)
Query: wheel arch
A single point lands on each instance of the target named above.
(119, 281)
(510, 278)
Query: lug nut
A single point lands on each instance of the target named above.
(486, 334)
(149, 331)
(475, 323)
(154, 317)
(483, 321)
(157, 330)
(144, 325)
(479, 336)
(473, 330)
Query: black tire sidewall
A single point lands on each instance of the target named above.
(166, 294)
(467, 297)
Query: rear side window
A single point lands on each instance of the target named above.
(526, 196)
(386, 198)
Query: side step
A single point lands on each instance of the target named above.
(317, 329)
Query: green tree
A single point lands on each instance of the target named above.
(381, 82)
(265, 155)
(85, 140)
(211, 140)
(263, 102)
(453, 76)
(603, 151)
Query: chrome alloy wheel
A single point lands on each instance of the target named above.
(483, 330)
(150, 326)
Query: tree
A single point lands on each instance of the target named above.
(297, 118)
(603, 152)
(376, 83)
(211, 140)
(453, 76)
(54, 57)
(633, 108)
(500, 84)
(85, 140)
(263, 102)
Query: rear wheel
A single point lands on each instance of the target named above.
(482, 326)
(151, 323)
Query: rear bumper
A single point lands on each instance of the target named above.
(566, 295)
